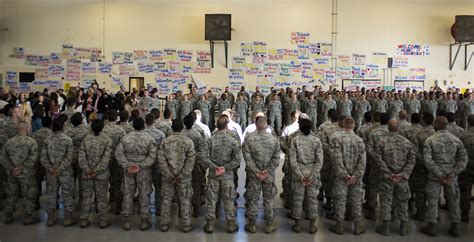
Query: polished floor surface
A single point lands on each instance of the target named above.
(39, 232)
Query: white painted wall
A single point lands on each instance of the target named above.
(365, 26)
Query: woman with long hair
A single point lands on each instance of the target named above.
(26, 113)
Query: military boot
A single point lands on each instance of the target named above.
(126, 223)
(8, 218)
(430, 229)
(209, 227)
(69, 219)
(84, 223)
(359, 228)
(454, 230)
(145, 225)
(187, 228)
(270, 226)
(30, 219)
(403, 229)
(164, 227)
(232, 226)
(383, 229)
(419, 215)
(104, 223)
(337, 228)
(51, 218)
(312, 227)
(297, 226)
(251, 227)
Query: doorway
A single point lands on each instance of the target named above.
(136, 82)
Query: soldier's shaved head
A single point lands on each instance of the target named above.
(403, 115)
(262, 124)
(348, 123)
(222, 122)
(22, 128)
(440, 123)
(393, 125)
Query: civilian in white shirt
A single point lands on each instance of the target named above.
(253, 127)
(198, 122)
(233, 125)
(290, 129)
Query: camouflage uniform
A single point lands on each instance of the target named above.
(306, 160)
(347, 152)
(186, 106)
(345, 108)
(290, 107)
(380, 105)
(158, 136)
(326, 106)
(444, 155)
(223, 105)
(326, 171)
(466, 178)
(173, 106)
(413, 106)
(395, 107)
(312, 111)
(199, 172)
(115, 134)
(165, 127)
(274, 114)
(126, 126)
(257, 107)
(241, 110)
(20, 151)
(451, 106)
(3, 173)
(361, 107)
(261, 152)
(430, 106)
(40, 136)
(394, 154)
(373, 176)
(77, 134)
(205, 108)
(94, 156)
(57, 154)
(222, 150)
(455, 130)
(176, 159)
(136, 148)
(9, 125)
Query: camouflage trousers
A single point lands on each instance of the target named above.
(185, 194)
(241, 119)
(433, 191)
(140, 182)
(327, 178)
(205, 119)
(224, 188)
(99, 188)
(116, 180)
(394, 196)
(347, 197)
(198, 182)
(24, 186)
(313, 117)
(371, 180)
(302, 193)
(275, 122)
(465, 187)
(268, 190)
(418, 181)
(157, 178)
(77, 178)
(286, 182)
(66, 181)
(40, 175)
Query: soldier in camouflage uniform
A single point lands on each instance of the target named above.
(221, 156)
(445, 157)
(56, 158)
(348, 160)
(395, 156)
(176, 160)
(381, 104)
(327, 105)
(395, 106)
(199, 172)
(165, 124)
(306, 160)
(3, 173)
(94, 160)
(173, 105)
(205, 107)
(77, 132)
(311, 106)
(362, 106)
(291, 106)
(40, 136)
(11, 121)
(373, 177)
(124, 115)
(363, 130)
(223, 103)
(19, 157)
(158, 136)
(136, 153)
(345, 106)
(450, 104)
(274, 114)
(257, 106)
(185, 107)
(115, 134)
(261, 152)
(413, 105)
(70, 110)
(466, 178)
(452, 127)
(419, 177)
(241, 110)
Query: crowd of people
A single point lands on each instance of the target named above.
(354, 151)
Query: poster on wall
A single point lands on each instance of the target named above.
(343, 61)
(358, 72)
(41, 74)
(11, 79)
(73, 70)
(413, 49)
(105, 68)
(246, 49)
(275, 54)
(299, 38)
(117, 57)
(236, 74)
(373, 71)
(344, 72)
(82, 53)
(307, 70)
(56, 70)
(320, 49)
(418, 74)
(89, 68)
(322, 63)
(127, 57)
(239, 62)
(155, 55)
(358, 59)
(285, 69)
(330, 77)
(170, 54)
(18, 52)
(290, 54)
(303, 51)
(31, 60)
(401, 74)
(140, 55)
(146, 67)
(185, 55)
(56, 58)
(96, 54)
(379, 58)
(68, 50)
(87, 81)
(117, 80)
(44, 60)
(400, 62)
(127, 69)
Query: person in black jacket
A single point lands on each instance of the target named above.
(100, 104)
(40, 109)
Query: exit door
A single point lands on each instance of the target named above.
(136, 82)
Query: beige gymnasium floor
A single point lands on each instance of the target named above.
(39, 232)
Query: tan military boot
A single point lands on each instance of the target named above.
(84, 223)
(209, 227)
(383, 229)
(51, 218)
(69, 219)
(312, 227)
(270, 226)
(126, 223)
(145, 224)
(297, 226)
(251, 227)
(187, 228)
(430, 229)
(359, 227)
(337, 228)
(403, 229)
(454, 230)
(232, 226)
(104, 223)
